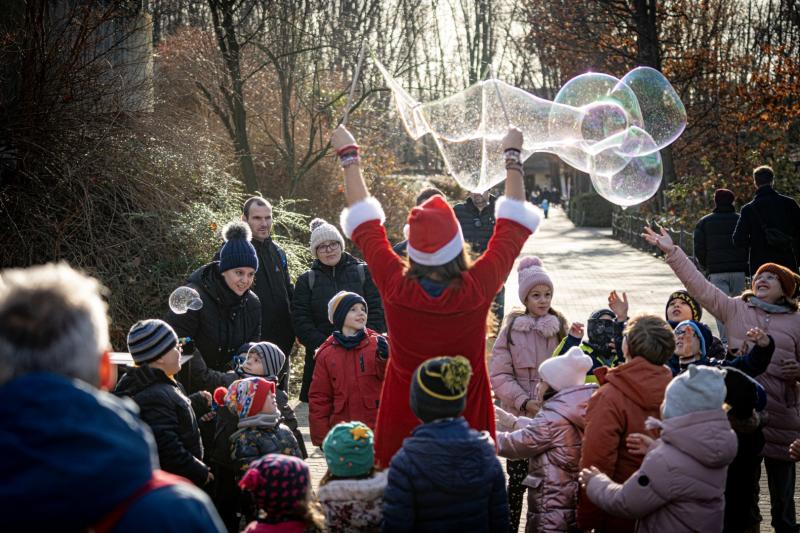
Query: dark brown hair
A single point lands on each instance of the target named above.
(257, 200)
(447, 273)
(426, 193)
(650, 337)
(763, 175)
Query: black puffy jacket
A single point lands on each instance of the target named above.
(310, 306)
(772, 210)
(171, 416)
(218, 329)
(477, 226)
(713, 242)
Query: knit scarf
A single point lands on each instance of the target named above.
(768, 307)
(348, 343)
(260, 420)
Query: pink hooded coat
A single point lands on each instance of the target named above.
(552, 442)
(783, 396)
(514, 368)
(681, 483)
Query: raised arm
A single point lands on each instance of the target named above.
(355, 189)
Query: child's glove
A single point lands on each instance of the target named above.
(383, 347)
(503, 420)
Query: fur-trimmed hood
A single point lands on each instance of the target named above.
(547, 325)
(366, 489)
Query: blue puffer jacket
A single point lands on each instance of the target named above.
(446, 477)
(70, 455)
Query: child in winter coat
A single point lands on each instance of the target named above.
(551, 442)
(682, 306)
(446, 477)
(436, 301)
(260, 431)
(281, 490)
(163, 405)
(605, 335)
(351, 492)
(265, 360)
(348, 369)
(680, 484)
(692, 340)
(628, 394)
(528, 338)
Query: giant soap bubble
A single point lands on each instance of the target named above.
(610, 128)
(184, 299)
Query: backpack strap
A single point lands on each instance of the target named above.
(362, 274)
(159, 480)
(312, 276)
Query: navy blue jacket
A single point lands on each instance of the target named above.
(70, 455)
(446, 477)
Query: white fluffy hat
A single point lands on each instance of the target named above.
(568, 370)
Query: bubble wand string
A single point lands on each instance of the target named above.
(353, 85)
(497, 89)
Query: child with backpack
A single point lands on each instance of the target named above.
(551, 442)
(348, 369)
(528, 338)
(351, 492)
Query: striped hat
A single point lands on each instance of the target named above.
(271, 356)
(150, 339)
(340, 305)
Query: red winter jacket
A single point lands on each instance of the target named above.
(346, 385)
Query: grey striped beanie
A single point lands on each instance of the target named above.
(150, 339)
(271, 356)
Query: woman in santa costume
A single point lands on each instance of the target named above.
(437, 303)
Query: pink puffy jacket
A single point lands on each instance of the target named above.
(783, 396)
(514, 368)
(552, 442)
(681, 483)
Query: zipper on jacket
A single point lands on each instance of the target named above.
(361, 362)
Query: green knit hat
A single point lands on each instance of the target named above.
(348, 449)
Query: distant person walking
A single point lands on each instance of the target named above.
(724, 262)
(769, 226)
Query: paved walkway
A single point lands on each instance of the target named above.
(585, 264)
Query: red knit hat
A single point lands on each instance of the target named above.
(245, 397)
(790, 282)
(434, 234)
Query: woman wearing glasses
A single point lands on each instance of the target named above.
(333, 270)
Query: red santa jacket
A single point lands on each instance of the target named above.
(422, 326)
(346, 385)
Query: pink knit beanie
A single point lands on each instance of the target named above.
(531, 273)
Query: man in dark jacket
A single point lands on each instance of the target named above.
(272, 285)
(724, 262)
(72, 457)
(769, 226)
(476, 218)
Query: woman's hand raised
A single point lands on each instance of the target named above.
(662, 240)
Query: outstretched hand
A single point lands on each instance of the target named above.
(576, 330)
(618, 305)
(758, 336)
(662, 240)
(513, 140)
(638, 443)
(504, 420)
(341, 137)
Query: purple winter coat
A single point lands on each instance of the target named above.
(783, 395)
(681, 483)
(552, 442)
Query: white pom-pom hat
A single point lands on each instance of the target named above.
(565, 371)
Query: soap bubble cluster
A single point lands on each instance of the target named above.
(610, 128)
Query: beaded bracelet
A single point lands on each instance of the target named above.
(348, 159)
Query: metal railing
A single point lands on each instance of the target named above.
(627, 228)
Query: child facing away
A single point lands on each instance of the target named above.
(681, 482)
(446, 477)
(265, 360)
(348, 369)
(628, 395)
(529, 337)
(281, 489)
(551, 442)
(171, 415)
(351, 492)
(260, 430)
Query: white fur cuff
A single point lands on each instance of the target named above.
(360, 212)
(519, 211)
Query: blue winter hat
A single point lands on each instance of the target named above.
(237, 251)
(340, 305)
(703, 333)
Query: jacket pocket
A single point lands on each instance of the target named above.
(369, 385)
(339, 404)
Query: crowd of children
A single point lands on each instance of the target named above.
(649, 424)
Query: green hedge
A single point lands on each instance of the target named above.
(590, 209)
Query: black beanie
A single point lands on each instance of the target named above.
(439, 388)
(697, 311)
